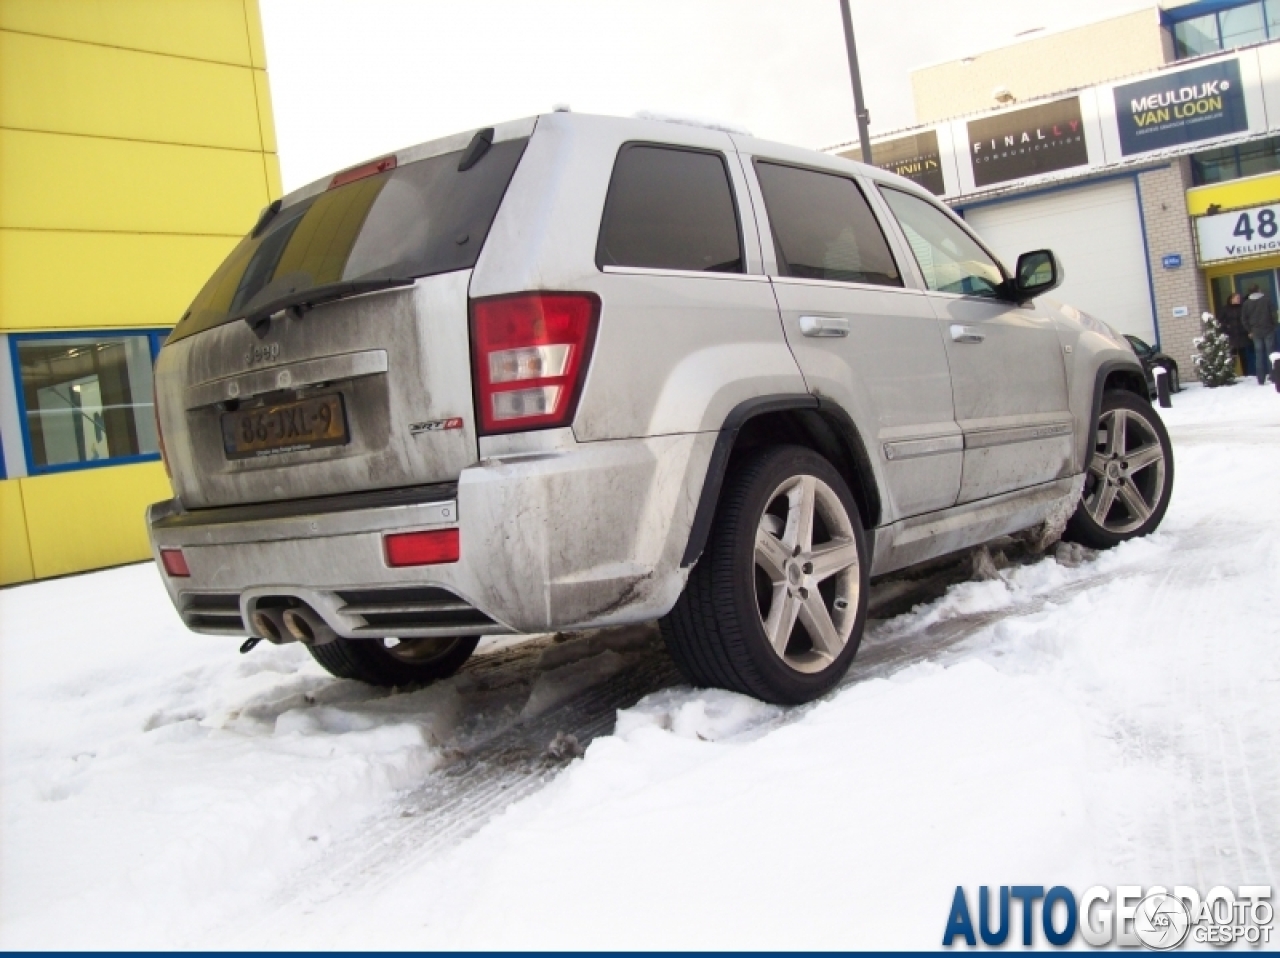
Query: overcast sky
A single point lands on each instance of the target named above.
(352, 79)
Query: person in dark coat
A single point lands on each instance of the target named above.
(1230, 319)
(1259, 318)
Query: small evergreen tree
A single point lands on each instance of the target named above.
(1214, 361)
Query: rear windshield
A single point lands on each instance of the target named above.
(419, 219)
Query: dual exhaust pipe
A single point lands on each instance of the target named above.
(293, 624)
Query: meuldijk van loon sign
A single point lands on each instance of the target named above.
(1038, 139)
(1239, 234)
(1182, 107)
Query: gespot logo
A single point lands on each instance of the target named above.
(1156, 918)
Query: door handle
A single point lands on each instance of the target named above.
(965, 334)
(824, 327)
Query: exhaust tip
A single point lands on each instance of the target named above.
(298, 626)
(266, 626)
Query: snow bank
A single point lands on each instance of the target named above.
(154, 782)
(1102, 720)
(1107, 721)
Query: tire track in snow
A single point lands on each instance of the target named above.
(458, 800)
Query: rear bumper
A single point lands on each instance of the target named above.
(586, 536)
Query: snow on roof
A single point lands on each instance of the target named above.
(685, 120)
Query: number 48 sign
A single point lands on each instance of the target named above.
(1239, 234)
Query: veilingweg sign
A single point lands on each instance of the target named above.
(1239, 234)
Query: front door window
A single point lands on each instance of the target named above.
(949, 258)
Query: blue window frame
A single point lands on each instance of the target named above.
(1233, 162)
(85, 398)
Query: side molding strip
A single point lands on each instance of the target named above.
(985, 438)
(914, 448)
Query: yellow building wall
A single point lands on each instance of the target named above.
(137, 146)
(90, 518)
(15, 548)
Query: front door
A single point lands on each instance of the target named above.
(861, 337)
(1008, 377)
(1264, 279)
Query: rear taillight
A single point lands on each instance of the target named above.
(175, 563)
(423, 548)
(530, 354)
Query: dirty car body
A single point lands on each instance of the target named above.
(485, 386)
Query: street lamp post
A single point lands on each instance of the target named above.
(859, 107)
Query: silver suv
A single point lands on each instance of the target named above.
(579, 371)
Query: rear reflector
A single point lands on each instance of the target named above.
(360, 172)
(529, 357)
(175, 563)
(423, 548)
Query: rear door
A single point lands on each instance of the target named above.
(1007, 371)
(363, 388)
(863, 337)
(689, 327)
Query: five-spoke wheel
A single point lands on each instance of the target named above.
(800, 580)
(1129, 477)
(775, 606)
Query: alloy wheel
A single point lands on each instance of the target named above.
(807, 573)
(1126, 474)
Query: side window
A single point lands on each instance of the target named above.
(670, 208)
(948, 256)
(823, 227)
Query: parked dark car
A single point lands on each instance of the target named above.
(1151, 358)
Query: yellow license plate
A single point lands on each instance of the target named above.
(278, 428)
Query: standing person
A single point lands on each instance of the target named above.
(1259, 319)
(1230, 318)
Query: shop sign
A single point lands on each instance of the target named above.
(1038, 139)
(916, 157)
(1182, 107)
(1240, 233)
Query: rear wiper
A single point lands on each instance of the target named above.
(301, 300)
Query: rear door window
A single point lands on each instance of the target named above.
(823, 227)
(670, 208)
(419, 219)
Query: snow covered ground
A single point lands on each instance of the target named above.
(1115, 721)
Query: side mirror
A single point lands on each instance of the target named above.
(1037, 273)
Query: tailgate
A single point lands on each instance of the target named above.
(365, 393)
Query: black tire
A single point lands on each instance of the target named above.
(716, 632)
(418, 662)
(1127, 489)
(1175, 382)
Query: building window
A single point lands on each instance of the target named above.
(85, 399)
(1237, 26)
(1191, 38)
(1233, 162)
